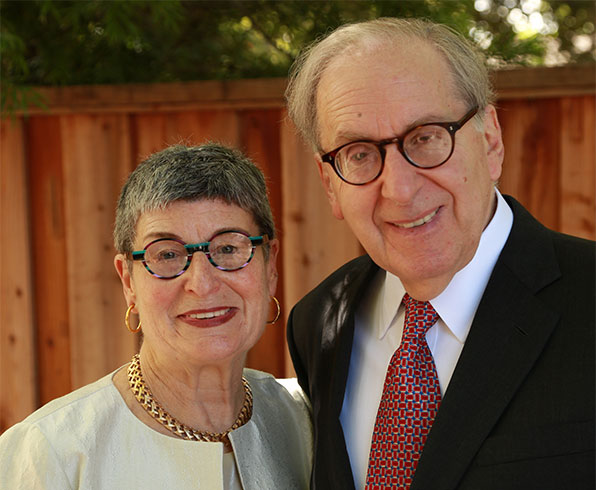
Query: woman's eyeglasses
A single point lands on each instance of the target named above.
(167, 258)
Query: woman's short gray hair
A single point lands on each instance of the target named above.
(470, 75)
(182, 173)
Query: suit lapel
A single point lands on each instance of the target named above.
(336, 346)
(338, 334)
(510, 329)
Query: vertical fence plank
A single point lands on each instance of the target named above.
(531, 166)
(49, 256)
(156, 131)
(578, 178)
(99, 340)
(197, 127)
(315, 243)
(18, 395)
(259, 139)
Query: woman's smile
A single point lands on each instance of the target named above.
(208, 318)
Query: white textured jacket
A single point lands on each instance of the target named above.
(89, 439)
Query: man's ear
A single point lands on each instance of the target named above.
(121, 265)
(329, 181)
(495, 150)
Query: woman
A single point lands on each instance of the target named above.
(196, 256)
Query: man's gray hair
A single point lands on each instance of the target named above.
(469, 73)
(181, 173)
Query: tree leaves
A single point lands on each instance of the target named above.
(54, 42)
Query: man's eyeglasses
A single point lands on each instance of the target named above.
(167, 258)
(425, 146)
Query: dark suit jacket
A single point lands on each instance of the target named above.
(519, 409)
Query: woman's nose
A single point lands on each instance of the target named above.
(201, 276)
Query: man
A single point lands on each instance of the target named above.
(492, 384)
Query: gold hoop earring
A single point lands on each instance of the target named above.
(278, 311)
(127, 323)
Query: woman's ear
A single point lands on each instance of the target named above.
(272, 274)
(121, 263)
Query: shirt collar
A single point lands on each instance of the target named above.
(457, 304)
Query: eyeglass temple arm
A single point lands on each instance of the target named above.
(259, 240)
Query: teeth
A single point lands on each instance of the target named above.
(211, 314)
(418, 222)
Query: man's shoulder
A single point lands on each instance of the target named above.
(564, 245)
(542, 257)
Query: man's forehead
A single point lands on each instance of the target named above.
(417, 91)
(387, 50)
(387, 67)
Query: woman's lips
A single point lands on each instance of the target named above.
(208, 314)
(208, 318)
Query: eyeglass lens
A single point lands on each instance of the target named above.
(425, 146)
(227, 251)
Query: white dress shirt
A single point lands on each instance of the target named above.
(378, 329)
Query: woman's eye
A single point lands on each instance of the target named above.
(226, 249)
(167, 255)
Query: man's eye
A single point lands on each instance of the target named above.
(424, 138)
(427, 137)
(360, 153)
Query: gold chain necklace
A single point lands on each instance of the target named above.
(143, 395)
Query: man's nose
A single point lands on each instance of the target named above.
(400, 179)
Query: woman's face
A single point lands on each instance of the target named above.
(205, 315)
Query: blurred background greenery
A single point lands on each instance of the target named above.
(56, 43)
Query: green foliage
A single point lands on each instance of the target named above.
(575, 18)
(53, 42)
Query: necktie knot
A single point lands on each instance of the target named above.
(420, 316)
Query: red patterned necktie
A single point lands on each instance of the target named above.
(410, 400)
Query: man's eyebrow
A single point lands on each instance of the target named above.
(347, 136)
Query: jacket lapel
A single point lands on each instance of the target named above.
(507, 336)
(332, 462)
(268, 453)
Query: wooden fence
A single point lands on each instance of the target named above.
(61, 171)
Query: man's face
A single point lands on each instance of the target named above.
(422, 225)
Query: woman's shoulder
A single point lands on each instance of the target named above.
(101, 391)
(48, 443)
(66, 416)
